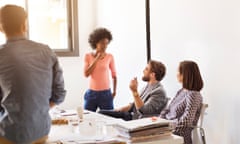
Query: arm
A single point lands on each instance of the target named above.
(58, 91)
(114, 75)
(156, 102)
(51, 104)
(163, 113)
(137, 100)
(88, 68)
(166, 110)
(193, 102)
(114, 86)
(124, 108)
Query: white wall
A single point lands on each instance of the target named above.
(75, 82)
(206, 31)
(128, 46)
(128, 41)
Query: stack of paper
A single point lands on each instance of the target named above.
(144, 128)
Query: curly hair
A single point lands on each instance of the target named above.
(97, 35)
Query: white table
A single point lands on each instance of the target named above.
(86, 132)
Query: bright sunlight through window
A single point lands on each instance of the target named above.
(51, 22)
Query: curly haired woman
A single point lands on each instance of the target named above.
(98, 65)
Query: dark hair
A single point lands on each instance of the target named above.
(158, 68)
(192, 79)
(12, 17)
(97, 35)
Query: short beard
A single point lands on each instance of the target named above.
(146, 79)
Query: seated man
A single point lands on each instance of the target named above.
(150, 101)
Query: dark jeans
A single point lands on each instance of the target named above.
(117, 114)
(98, 99)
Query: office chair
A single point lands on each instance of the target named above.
(198, 134)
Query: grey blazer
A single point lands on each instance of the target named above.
(154, 101)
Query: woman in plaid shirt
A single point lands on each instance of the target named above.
(185, 107)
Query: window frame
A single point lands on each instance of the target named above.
(73, 39)
(72, 23)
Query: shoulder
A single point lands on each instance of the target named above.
(37, 44)
(88, 55)
(193, 95)
(159, 87)
(41, 47)
(109, 55)
(159, 90)
(44, 49)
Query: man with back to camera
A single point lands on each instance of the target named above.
(150, 101)
(31, 82)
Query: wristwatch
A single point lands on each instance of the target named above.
(135, 93)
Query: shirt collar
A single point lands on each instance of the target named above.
(16, 38)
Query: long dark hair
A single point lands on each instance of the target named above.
(192, 79)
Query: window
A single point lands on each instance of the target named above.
(53, 22)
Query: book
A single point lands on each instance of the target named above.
(145, 132)
(149, 137)
(141, 124)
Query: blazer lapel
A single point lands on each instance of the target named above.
(147, 94)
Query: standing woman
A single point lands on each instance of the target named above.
(98, 66)
(185, 107)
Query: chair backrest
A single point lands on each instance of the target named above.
(198, 135)
(203, 109)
